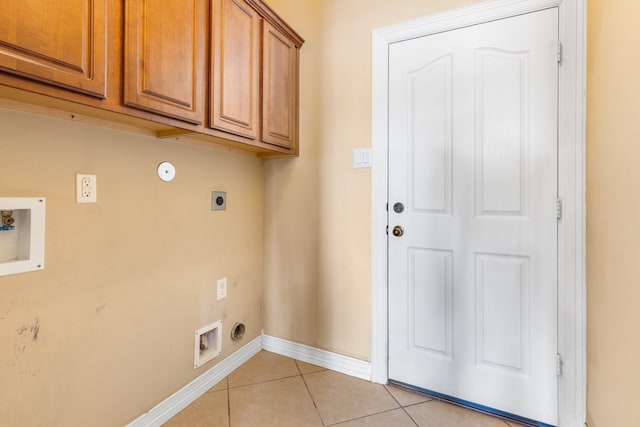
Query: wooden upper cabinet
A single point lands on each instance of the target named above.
(223, 69)
(60, 42)
(279, 88)
(235, 68)
(165, 57)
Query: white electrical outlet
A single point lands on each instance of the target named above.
(222, 288)
(86, 190)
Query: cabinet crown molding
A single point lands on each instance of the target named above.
(274, 19)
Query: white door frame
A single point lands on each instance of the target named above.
(571, 174)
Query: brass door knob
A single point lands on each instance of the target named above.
(398, 231)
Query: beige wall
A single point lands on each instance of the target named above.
(127, 280)
(613, 213)
(318, 214)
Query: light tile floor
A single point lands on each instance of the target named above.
(272, 390)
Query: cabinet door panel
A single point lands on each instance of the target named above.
(235, 68)
(280, 89)
(59, 42)
(165, 57)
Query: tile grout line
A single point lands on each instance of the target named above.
(228, 402)
(411, 405)
(310, 395)
(408, 415)
(387, 388)
(435, 399)
(414, 392)
(404, 408)
(265, 382)
(401, 405)
(367, 416)
(477, 411)
(375, 413)
(429, 398)
(392, 396)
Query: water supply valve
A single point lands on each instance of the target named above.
(7, 221)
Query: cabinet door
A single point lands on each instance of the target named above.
(279, 89)
(60, 42)
(165, 57)
(235, 68)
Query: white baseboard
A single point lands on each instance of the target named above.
(336, 362)
(179, 400)
(175, 403)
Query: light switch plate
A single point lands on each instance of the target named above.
(361, 158)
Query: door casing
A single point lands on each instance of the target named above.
(571, 189)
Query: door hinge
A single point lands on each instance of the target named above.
(559, 364)
(559, 52)
(559, 208)
(387, 230)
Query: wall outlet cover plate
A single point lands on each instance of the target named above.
(218, 200)
(166, 171)
(86, 188)
(222, 288)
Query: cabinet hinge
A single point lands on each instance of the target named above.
(559, 208)
(559, 364)
(559, 51)
(387, 230)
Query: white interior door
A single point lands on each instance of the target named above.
(473, 159)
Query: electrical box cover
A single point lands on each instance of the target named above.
(21, 235)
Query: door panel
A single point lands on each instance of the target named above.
(430, 117)
(62, 43)
(502, 318)
(235, 68)
(502, 99)
(473, 155)
(165, 57)
(430, 288)
(279, 88)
